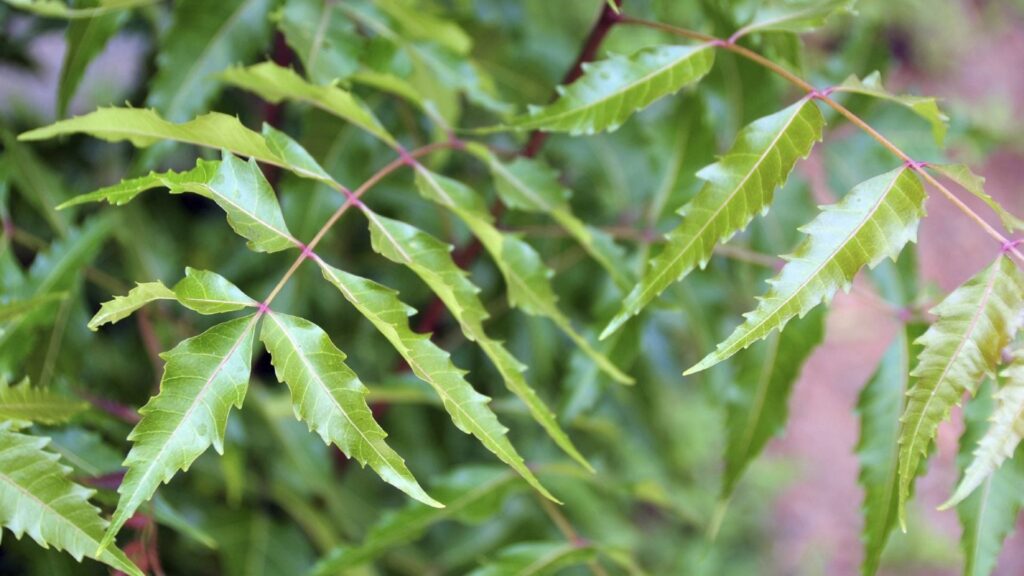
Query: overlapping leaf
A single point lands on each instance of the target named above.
(38, 499)
(204, 376)
(431, 260)
(759, 406)
(988, 515)
(467, 407)
(1003, 435)
(527, 279)
(203, 39)
(738, 187)
(873, 221)
(329, 397)
(924, 107)
(611, 90)
(531, 185)
(974, 323)
(275, 84)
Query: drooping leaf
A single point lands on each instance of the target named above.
(38, 499)
(204, 376)
(966, 178)
(122, 307)
(975, 322)
(536, 559)
(431, 260)
(323, 38)
(611, 90)
(531, 185)
(38, 184)
(467, 407)
(759, 406)
(988, 515)
(527, 279)
(24, 403)
(329, 397)
(12, 309)
(926, 108)
(471, 494)
(210, 293)
(880, 405)
(203, 39)
(738, 187)
(85, 39)
(126, 190)
(795, 16)
(1003, 435)
(275, 84)
(60, 9)
(873, 221)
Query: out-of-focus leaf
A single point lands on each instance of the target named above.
(24, 403)
(323, 38)
(39, 185)
(536, 559)
(85, 40)
(803, 16)
(60, 9)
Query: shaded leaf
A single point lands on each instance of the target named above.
(738, 187)
(329, 397)
(38, 499)
(323, 38)
(536, 559)
(203, 39)
(24, 403)
(13, 309)
(873, 221)
(527, 279)
(924, 107)
(467, 407)
(204, 376)
(975, 322)
(38, 184)
(431, 260)
(611, 90)
(85, 39)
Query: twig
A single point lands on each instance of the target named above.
(567, 530)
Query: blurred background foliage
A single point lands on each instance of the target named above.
(279, 501)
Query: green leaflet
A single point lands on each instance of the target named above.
(536, 559)
(16, 308)
(738, 187)
(926, 108)
(323, 38)
(880, 405)
(873, 221)
(204, 38)
(85, 40)
(1003, 435)
(473, 494)
(59, 9)
(527, 279)
(989, 514)
(611, 90)
(418, 23)
(237, 186)
(23, 403)
(467, 407)
(759, 406)
(37, 498)
(431, 260)
(975, 322)
(329, 397)
(531, 185)
(121, 307)
(275, 84)
(204, 376)
(795, 16)
(966, 178)
(145, 127)
(210, 293)
(254, 541)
